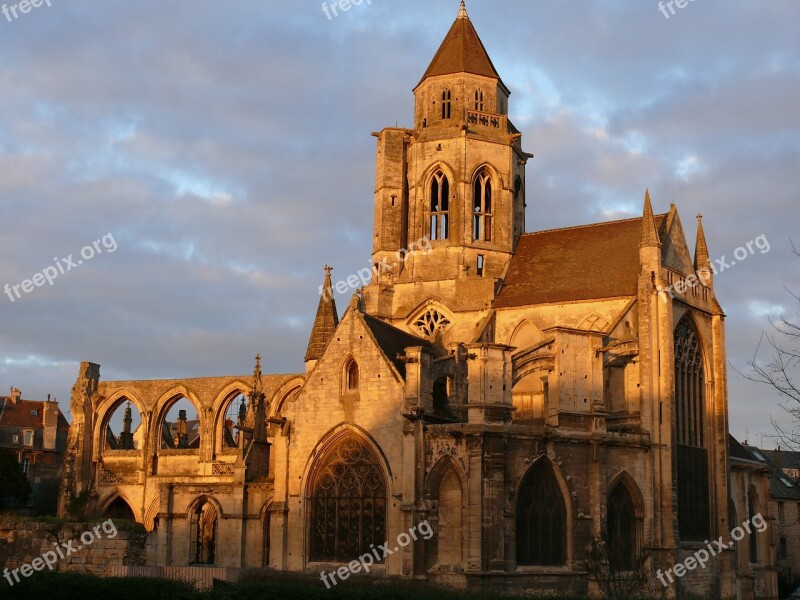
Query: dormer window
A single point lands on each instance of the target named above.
(34, 413)
(482, 205)
(446, 104)
(440, 207)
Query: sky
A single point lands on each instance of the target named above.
(220, 154)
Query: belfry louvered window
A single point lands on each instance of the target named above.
(440, 207)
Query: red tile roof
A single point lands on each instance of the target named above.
(19, 414)
(577, 263)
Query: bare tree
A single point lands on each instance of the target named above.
(782, 371)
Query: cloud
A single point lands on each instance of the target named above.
(228, 150)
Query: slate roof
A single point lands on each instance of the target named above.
(587, 262)
(462, 51)
(393, 341)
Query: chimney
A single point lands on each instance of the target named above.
(778, 460)
(15, 395)
(50, 424)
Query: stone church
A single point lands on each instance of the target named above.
(532, 396)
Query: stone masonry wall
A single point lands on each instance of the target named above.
(23, 541)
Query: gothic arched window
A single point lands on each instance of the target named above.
(440, 207)
(348, 503)
(541, 519)
(482, 207)
(692, 454)
(446, 104)
(203, 534)
(621, 525)
(351, 376)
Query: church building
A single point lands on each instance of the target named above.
(535, 399)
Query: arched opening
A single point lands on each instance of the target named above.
(621, 538)
(450, 522)
(482, 207)
(692, 455)
(203, 534)
(440, 207)
(347, 502)
(351, 376)
(541, 518)
(529, 396)
(119, 510)
(233, 421)
(180, 426)
(125, 420)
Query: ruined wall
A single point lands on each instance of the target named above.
(23, 541)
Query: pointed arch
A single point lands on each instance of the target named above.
(694, 518)
(204, 514)
(286, 393)
(525, 335)
(624, 520)
(117, 505)
(484, 189)
(224, 433)
(151, 515)
(159, 432)
(350, 375)
(429, 319)
(439, 192)
(108, 409)
(347, 496)
(542, 517)
(446, 490)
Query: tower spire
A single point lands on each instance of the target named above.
(326, 322)
(649, 233)
(702, 262)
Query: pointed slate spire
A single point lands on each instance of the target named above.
(649, 232)
(462, 52)
(326, 322)
(701, 258)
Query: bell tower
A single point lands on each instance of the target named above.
(454, 185)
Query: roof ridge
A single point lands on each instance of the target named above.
(531, 233)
